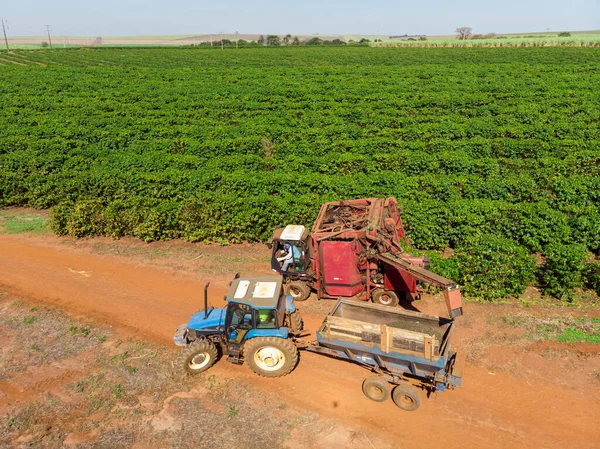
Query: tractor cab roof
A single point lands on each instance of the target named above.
(293, 233)
(259, 291)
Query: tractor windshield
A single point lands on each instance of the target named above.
(238, 322)
(239, 316)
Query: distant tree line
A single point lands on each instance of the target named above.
(275, 40)
(465, 33)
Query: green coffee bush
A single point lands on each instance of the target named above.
(491, 267)
(86, 219)
(59, 216)
(121, 218)
(591, 276)
(562, 270)
(159, 223)
(447, 267)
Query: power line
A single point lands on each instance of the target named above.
(49, 38)
(4, 31)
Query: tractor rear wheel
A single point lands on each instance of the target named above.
(270, 356)
(376, 389)
(296, 322)
(298, 290)
(406, 397)
(385, 297)
(197, 357)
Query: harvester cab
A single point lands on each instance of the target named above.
(297, 237)
(256, 326)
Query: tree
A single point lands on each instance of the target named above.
(261, 40)
(287, 39)
(315, 41)
(464, 33)
(296, 41)
(273, 39)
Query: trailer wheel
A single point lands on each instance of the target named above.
(298, 290)
(406, 397)
(376, 389)
(385, 297)
(271, 356)
(197, 357)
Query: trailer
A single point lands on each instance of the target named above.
(407, 352)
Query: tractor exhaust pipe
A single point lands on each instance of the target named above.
(206, 300)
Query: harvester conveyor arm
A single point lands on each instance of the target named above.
(450, 288)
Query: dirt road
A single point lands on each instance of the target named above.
(492, 410)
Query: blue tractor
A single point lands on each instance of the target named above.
(257, 326)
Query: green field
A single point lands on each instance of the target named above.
(478, 144)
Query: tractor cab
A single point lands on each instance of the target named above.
(255, 304)
(256, 307)
(296, 236)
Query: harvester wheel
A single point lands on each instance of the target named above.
(296, 322)
(406, 397)
(385, 297)
(376, 389)
(197, 357)
(298, 289)
(270, 356)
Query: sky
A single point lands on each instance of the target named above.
(383, 17)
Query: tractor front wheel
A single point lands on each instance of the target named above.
(197, 357)
(270, 356)
(385, 297)
(299, 290)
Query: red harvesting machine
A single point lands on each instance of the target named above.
(354, 251)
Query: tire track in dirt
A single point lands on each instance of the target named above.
(492, 411)
(28, 386)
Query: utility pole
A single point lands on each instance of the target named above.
(49, 38)
(236, 39)
(5, 38)
(221, 40)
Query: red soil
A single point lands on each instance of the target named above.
(491, 410)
